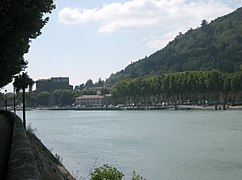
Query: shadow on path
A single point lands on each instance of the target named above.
(6, 128)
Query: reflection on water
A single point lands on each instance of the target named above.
(158, 145)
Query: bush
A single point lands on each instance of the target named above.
(106, 172)
(59, 158)
(30, 129)
(137, 177)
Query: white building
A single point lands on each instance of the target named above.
(90, 100)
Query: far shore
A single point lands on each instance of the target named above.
(179, 107)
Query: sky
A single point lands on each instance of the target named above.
(95, 38)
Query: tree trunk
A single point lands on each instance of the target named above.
(203, 101)
(24, 117)
(175, 102)
(225, 100)
(14, 101)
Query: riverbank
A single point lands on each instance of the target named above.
(184, 107)
(23, 156)
(48, 165)
(135, 108)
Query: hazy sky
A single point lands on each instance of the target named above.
(92, 39)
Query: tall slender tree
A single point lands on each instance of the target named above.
(21, 83)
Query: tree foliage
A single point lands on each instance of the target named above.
(43, 98)
(65, 97)
(106, 172)
(137, 177)
(89, 83)
(88, 91)
(20, 22)
(181, 86)
(22, 82)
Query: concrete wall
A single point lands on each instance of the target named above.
(23, 156)
(27, 158)
(21, 161)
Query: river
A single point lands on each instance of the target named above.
(174, 145)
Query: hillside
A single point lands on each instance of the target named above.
(217, 45)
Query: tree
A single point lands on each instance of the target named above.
(89, 83)
(100, 83)
(204, 23)
(199, 87)
(66, 98)
(88, 91)
(236, 82)
(105, 90)
(76, 93)
(31, 99)
(20, 22)
(57, 93)
(43, 98)
(22, 82)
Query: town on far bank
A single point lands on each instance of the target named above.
(132, 94)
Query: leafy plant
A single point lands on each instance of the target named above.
(106, 172)
(137, 177)
(30, 129)
(59, 158)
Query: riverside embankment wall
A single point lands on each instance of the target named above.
(29, 158)
(21, 164)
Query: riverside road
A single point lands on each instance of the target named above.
(5, 143)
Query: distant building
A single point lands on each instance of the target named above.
(90, 100)
(94, 100)
(53, 83)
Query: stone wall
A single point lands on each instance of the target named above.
(29, 158)
(21, 162)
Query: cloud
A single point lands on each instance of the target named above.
(155, 42)
(74, 16)
(163, 16)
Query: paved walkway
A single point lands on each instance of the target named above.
(5, 144)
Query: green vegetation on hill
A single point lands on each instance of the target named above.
(217, 45)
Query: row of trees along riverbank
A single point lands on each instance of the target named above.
(58, 97)
(193, 87)
(188, 88)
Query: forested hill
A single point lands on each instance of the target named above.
(217, 45)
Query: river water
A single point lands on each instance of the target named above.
(169, 145)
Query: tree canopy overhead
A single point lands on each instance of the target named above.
(20, 21)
